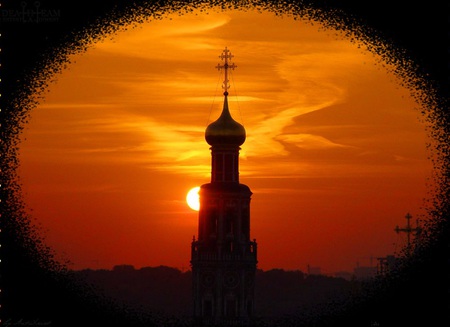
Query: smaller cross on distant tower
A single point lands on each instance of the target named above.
(409, 230)
(226, 56)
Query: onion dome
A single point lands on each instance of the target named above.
(225, 130)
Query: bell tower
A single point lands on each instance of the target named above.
(223, 258)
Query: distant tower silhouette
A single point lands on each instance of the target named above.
(223, 258)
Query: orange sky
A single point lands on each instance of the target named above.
(335, 152)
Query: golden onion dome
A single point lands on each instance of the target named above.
(225, 130)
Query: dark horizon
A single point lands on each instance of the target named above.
(168, 290)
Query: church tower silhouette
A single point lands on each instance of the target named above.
(223, 258)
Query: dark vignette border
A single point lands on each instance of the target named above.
(36, 290)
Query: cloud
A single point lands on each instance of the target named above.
(164, 39)
(309, 141)
(174, 148)
(156, 84)
(267, 136)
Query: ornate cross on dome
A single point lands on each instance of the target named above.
(225, 56)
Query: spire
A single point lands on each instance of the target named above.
(225, 130)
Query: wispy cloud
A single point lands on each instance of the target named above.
(156, 40)
(156, 116)
(308, 141)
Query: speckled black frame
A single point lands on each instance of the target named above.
(36, 39)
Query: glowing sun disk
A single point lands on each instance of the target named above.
(192, 198)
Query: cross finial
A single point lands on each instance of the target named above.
(226, 57)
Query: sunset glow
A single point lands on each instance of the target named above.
(335, 153)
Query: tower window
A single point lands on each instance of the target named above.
(229, 221)
(219, 167)
(212, 222)
(230, 308)
(246, 222)
(230, 226)
(207, 308)
(229, 169)
(249, 308)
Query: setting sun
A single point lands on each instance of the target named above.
(192, 198)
